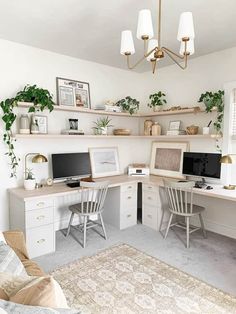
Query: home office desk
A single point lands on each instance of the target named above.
(39, 213)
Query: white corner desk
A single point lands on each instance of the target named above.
(41, 212)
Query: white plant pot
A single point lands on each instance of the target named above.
(104, 130)
(29, 185)
(157, 108)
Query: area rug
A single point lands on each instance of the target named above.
(122, 279)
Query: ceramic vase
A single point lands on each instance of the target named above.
(29, 184)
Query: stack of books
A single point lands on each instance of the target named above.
(109, 108)
(176, 132)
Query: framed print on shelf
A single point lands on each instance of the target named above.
(73, 93)
(42, 123)
(167, 159)
(174, 125)
(104, 161)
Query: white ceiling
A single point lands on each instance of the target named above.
(90, 29)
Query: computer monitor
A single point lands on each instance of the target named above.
(70, 165)
(202, 165)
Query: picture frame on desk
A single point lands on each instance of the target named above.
(104, 161)
(167, 159)
(72, 93)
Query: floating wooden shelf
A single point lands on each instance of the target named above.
(121, 114)
(104, 137)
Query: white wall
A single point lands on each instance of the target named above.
(22, 64)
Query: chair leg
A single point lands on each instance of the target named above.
(168, 226)
(85, 231)
(70, 222)
(103, 227)
(202, 225)
(187, 230)
(162, 217)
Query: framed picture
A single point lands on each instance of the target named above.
(167, 159)
(73, 93)
(174, 125)
(104, 161)
(42, 123)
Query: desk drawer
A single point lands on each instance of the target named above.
(128, 218)
(40, 240)
(38, 217)
(39, 203)
(151, 198)
(129, 187)
(150, 216)
(128, 200)
(150, 187)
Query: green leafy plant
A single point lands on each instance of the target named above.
(157, 99)
(102, 123)
(128, 104)
(41, 99)
(29, 174)
(211, 101)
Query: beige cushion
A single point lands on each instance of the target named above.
(38, 291)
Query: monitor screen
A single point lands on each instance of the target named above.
(202, 165)
(70, 165)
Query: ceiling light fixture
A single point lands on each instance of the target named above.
(153, 50)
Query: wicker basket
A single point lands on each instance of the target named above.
(192, 130)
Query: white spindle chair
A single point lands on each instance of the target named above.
(93, 195)
(180, 203)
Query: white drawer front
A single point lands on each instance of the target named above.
(128, 200)
(150, 187)
(39, 203)
(40, 240)
(151, 198)
(128, 218)
(129, 187)
(150, 216)
(38, 217)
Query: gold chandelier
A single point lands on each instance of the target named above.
(153, 50)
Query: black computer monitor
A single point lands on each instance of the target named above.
(202, 165)
(70, 165)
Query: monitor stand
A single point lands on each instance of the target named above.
(200, 184)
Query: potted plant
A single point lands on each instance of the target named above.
(128, 104)
(102, 125)
(214, 101)
(40, 99)
(29, 182)
(157, 101)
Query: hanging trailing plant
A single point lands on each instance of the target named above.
(41, 99)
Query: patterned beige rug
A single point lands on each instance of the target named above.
(123, 280)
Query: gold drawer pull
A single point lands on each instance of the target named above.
(40, 204)
(129, 197)
(40, 217)
(128, 216)
(41, 241)
(149, 216)
(130, 187)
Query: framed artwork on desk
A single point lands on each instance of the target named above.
(104, 161)
(167, 159)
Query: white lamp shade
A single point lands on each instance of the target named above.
(186, 27)
(153, 43)
(127, 43)
(145, 27)
(190, 47)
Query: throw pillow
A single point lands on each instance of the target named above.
(2, 238)
(10, 262)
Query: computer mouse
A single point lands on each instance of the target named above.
(209, 187)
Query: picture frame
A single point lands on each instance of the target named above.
(71, 93)
(167, 159)
(42, 123)
(104, 161)
(174, 125)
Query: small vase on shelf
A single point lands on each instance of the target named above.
(156, 129)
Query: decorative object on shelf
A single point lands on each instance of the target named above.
(29, 181)
(148, 127)
(24, 124)
(102, 125)
(153, 49)
(213, 101)
(73, 93)
(156, 129)
(124, 132)
(49, 182)
(206, 129)
(73, 124)
(128, 104)
(174, 128)
(73, 132)
(42, 122)
(34, 128)
(196, 109)
(157, 101)
(108, 106)
(192, 130)
(104, 161)
(228, 159)
(38, 158)
(39, 100)
(167, 159)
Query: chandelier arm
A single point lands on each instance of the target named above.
(159, 25)
(154, 66)
(173, 53)
(185, 58)
(131, 67)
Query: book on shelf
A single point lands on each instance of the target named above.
(176, 132)
(108, 108)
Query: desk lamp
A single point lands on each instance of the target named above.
(227, 159)
(38, 158)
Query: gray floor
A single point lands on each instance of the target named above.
(212, 260)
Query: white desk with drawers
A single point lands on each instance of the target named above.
(40, 213)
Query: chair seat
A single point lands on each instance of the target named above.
(196, 210)
(77, 209)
